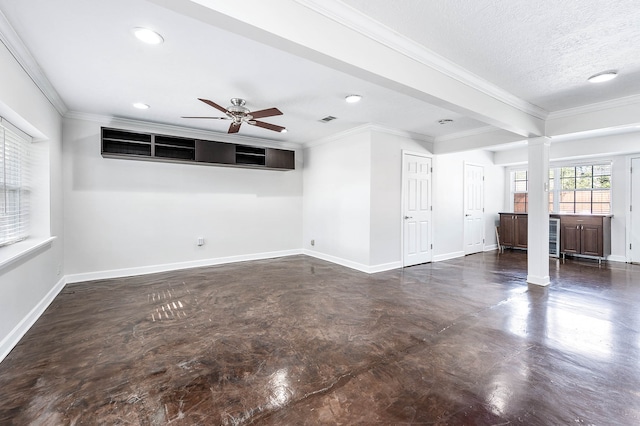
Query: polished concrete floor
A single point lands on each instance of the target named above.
(296, 341)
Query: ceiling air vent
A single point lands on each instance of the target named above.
(327, 119)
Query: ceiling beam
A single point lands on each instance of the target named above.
(615, 114)
(293, 27)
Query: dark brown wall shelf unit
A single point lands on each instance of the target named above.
(251, 155)
(175, 148)
(118, 143)
(123, 143)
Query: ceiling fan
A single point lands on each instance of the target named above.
(239, 114)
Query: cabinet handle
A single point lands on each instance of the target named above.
(582, 227)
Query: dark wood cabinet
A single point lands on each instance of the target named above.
(507, 229)
(215, 152)
(580, 235)
(280, 158)
(585, 235)
(513, 230)
(117, 143)
(521, 231)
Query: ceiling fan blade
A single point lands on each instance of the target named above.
(268, 126)
(213, 118)
(213, 104)
(234, 128)
(269, 112)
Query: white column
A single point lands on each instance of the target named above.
(538, 212)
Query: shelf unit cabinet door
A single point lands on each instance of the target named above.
(521, 231)
(215, 152)
(280, 159)
(507, 231)
(591, 240)
(569, 236)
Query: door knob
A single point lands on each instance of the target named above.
(408, 217)
(467, 215)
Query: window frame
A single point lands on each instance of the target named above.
(15, 151)
(555, 186)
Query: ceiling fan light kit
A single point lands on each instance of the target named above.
(238, 114)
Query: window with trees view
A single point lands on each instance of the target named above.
(572, 189)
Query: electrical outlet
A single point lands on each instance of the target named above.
(313, 242)
(200, 241)
(59, 269)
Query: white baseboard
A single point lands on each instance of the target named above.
(337, 260)
(491, 247)
(385, 267)
(152, 269)
(12, 339)
(448, 256)
(353, 265)
(614, 258)
(538, 280)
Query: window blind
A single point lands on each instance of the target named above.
(14, 184)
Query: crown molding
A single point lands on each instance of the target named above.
(402, 133)
(368, 128)
(358, 21)
(153, 127)
(21, 53)
(338, 136)
(466, 133)
(599, 106)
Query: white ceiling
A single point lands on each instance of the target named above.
(539, 53)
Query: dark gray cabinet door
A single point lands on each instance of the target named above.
(280, 159)
(215, 152)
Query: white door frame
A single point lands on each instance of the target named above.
(464, 204)
(402, 201)
(628, 206)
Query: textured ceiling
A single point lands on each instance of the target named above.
(542, 51)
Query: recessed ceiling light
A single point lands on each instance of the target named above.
(148, 36)
(352, 99)
(601, 77)
(140, 105)
(445, 121)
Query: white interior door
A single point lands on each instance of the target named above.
(416, 209)
(635, 211)
(473, 209)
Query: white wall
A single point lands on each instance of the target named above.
(448, 204)
(122, 216)
(386, 195)
(337, 188)
(29, 284)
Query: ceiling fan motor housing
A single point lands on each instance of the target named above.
(238, 111)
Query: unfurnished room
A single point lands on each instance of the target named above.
(297, 212)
